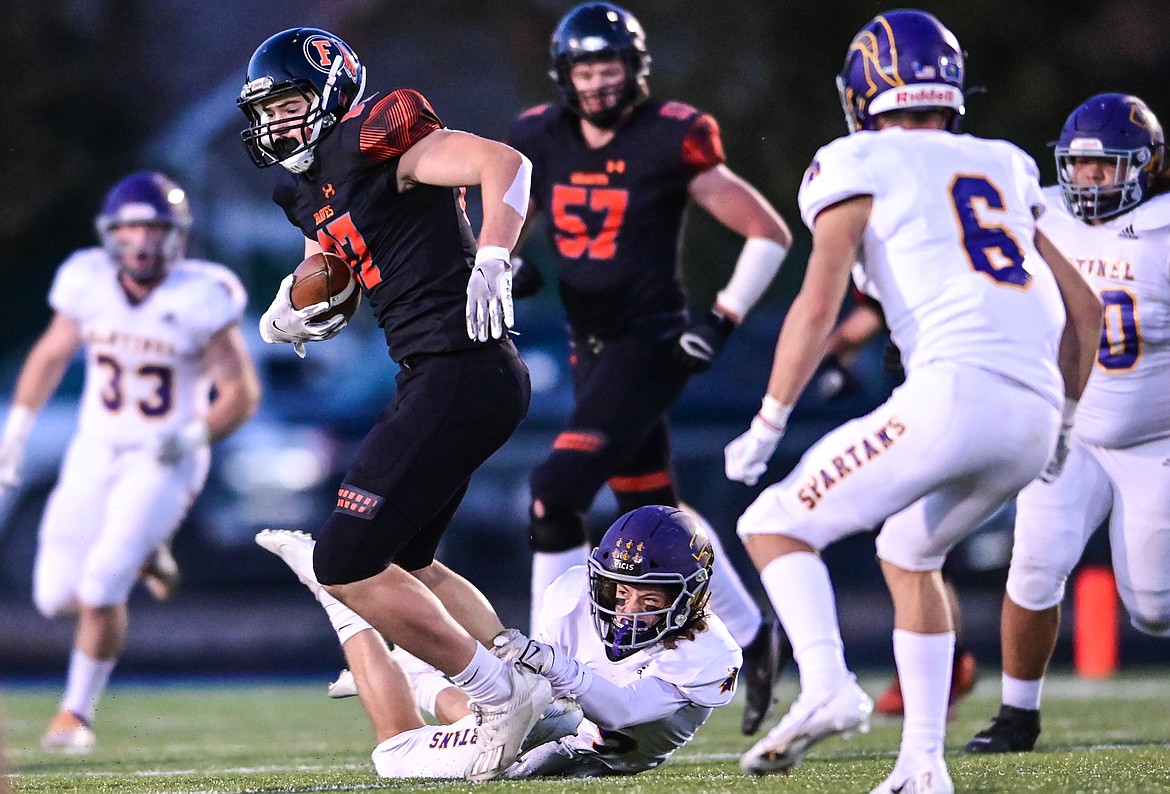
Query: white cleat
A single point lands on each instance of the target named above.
(503, 727)
(69, 734)
(807, 722)
(296, 549)
(344, 686)
(558, 721)
(928, 777)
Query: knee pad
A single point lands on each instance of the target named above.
(1035, 588)
(55, 604)
(1149, 613)
(557, 529)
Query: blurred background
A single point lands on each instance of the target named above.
(96, 89)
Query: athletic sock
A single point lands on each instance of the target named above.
(85, 684)
(1022, 694)
(800, 591)
(924, 672)
(485, 679)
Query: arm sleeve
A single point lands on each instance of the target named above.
(397, 122)
(613, 707)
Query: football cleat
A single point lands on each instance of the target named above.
(808, 721)
(764, 659)
(964, 674)
(296, 549)
(930, 777)
(503, 727)
(344, 686)
(70, 734)
(558, 721)
(1012, 730)
(160, 573)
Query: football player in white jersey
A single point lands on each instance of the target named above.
(626, 641)
(159, 332)
(1110, 216)
(976, 299)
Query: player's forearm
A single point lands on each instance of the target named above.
(505, 185)
(40, 376)
(800, 347)
(613, 707)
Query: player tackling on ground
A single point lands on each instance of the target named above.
(634, 657)
(376, 179)
(976, 298)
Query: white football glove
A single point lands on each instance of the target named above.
(17, 428)
(1055, 463)
(746, 458)
(489, 294)
(283, 323)
(567, 675)
(11, 458)
(173, 447)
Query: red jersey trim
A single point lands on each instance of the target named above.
(702, 148)
(396, 123)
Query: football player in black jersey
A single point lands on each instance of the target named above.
(376, 179)
(613, 170)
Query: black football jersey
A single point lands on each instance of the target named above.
(615, 214)
(413, 250)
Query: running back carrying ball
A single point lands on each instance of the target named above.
(326, 277)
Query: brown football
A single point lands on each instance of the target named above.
(326, 277)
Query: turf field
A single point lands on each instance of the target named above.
(261, 737)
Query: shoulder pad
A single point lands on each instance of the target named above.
(1152, 214)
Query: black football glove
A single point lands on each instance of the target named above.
(833, 380)
(526, 279)
(699, 344)
(892, 360)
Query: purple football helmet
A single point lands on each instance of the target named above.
(901, 60)
(653, 545)
(1122, 132)
(321, 68)
(597, 31)
(147, 198)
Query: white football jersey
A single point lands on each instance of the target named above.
(949, 250)
(1127, 260)
(703, 670)
(142, 373)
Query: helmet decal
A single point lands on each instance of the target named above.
(901, 60)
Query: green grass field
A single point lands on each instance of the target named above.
(1102, 737)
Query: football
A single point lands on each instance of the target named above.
(326, 277)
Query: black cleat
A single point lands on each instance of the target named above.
(1013, 730)
(764, 659)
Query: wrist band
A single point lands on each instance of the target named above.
(774, 412)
